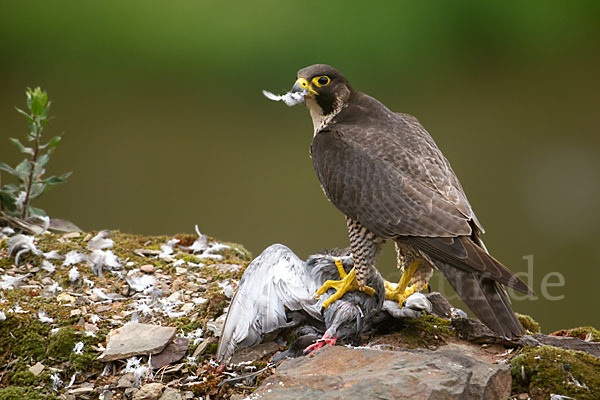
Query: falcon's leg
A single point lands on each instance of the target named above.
(415, 275)
(365, 247)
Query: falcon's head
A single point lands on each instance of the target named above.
(326, 90)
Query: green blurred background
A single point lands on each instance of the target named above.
(165, 125)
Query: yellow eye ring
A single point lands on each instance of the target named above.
(321, 81)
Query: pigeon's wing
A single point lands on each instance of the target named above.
(275, 281)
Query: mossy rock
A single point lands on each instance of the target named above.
(547, 370)
(586, 333)
(528, 323)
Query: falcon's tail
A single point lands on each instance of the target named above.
(486, 298)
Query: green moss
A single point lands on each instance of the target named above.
(546, 370)
(61, 344)
(528, 323)
(428, 331)
(19, 393)
(584, 333)
(31, 344)
(84, 362)
(22, 337)
(190, 258)
(212, 348)
(12, 393)
(23, 377)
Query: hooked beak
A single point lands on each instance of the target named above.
(302, 86)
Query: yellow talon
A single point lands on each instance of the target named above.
(400, 291)
(347, 283)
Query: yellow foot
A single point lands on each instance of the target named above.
(394, 292)
(399, 292)
(347, 283)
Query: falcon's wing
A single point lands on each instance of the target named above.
(385, 171)
(274, 281)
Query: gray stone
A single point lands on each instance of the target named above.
(147, 268)
(172, 353)
(126, 381)
(451, 372)
(171, 394)
(36, 369)
(473, 331)
(106, 395)
(440, 306)
(150, 391)
(83, 389)
(569, 343)
(134, 338)
(260, 351)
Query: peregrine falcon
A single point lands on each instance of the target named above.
(385, 173)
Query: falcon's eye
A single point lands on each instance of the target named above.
(321, 80)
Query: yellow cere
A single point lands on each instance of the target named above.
(305, 85)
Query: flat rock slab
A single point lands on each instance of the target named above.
(338, 372)
(134, 339)
(174, 352)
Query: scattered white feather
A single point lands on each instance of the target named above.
(199, 300)
(74, 274)
(88, 282)
(18, 310)
(48, 266)
(2, 316)
(194, 265)
(217, 257)
(45, 222)
(12, 282)
(104, 258)
(43, 317)
(53, 255)
(166, 250)
(191, 360)
(56, 381)
(195, 337)
(7, 230)
(227, 288)
(100, 241)
(94, 318)
(22, 244)
(54, 288)
(290, 98)
(178, 263)
(20, 200)
(199, 244)
(168, 308)
(72, 381)
(78, 349)
(140, 282)
(457, 313)
(54, 331)
(139, 371)
(74, 257)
